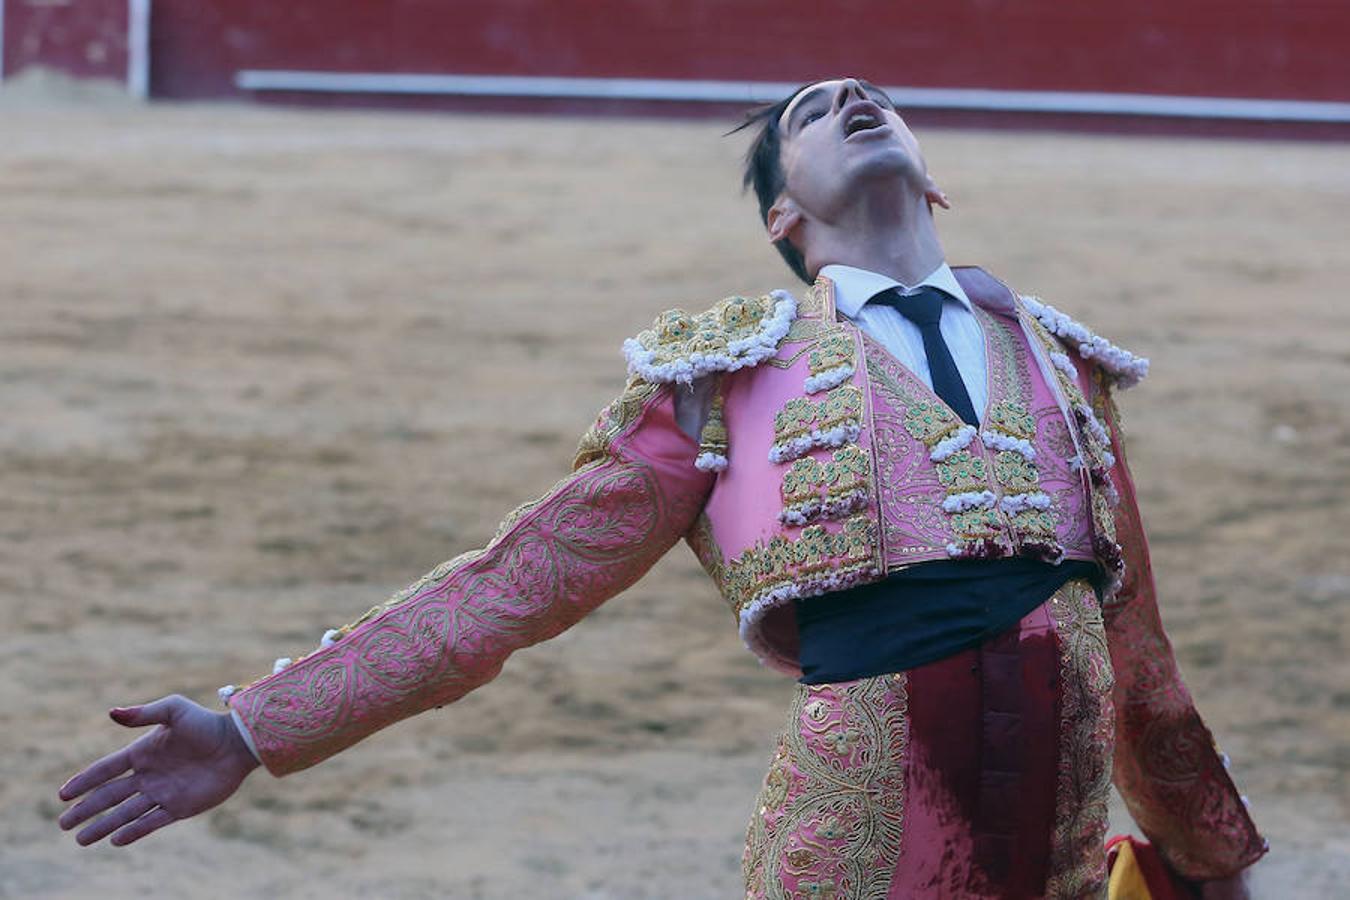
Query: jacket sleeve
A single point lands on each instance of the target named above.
(1171, 775)
(632, 494)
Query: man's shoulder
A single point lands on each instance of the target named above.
(734, 333)
(1122, 368)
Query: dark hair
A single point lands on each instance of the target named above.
(764, 170)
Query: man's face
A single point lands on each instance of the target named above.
(838, 138)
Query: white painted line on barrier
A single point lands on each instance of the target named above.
(138, 48)
(767, 91)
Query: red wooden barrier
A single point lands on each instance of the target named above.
(1234, 48)
(84, 38)
(1280, 50)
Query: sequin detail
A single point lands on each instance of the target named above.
(829, 820)
(832, 489)
(831, 361)
(803, 424)
(736, 333)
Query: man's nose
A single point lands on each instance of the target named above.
(848, 91)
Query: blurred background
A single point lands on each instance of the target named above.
(297, 300)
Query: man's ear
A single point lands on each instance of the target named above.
(782, 218)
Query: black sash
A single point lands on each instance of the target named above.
(923, 614)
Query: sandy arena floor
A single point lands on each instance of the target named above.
(260, 368)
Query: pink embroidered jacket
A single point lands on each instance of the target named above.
(823, 463)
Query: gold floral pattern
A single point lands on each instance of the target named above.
(832, 489)
(831, 361)
(929, 421)
(1086, 745)
(612, 421)
(829, 821)
(1096, 457)
(1011, 418)
(1009, 432)
(831, 352)
(815, 562)
(963, 472)
(738, 332)
(712, 439)
(804, 424)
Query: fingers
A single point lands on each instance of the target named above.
(105, 769)
(161, 712)
(151, 821)
(103, 798)
(129, 811)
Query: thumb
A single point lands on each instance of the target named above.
(160, 712)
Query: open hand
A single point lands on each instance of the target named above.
(193, 761)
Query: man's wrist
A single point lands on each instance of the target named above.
(243, 741)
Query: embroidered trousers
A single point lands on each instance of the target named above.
(982, 775)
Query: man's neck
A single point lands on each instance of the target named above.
(900, 243)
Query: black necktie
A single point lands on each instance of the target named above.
(924, 309)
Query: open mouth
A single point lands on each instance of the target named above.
(861, 121)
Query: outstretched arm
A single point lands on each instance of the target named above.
(634, 494)
(634, 491)
(1167, 767)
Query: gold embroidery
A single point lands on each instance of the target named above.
(1098, 458)
(843, 405)
(676, 334)
(700, 540)
(815, 301)
(713, 437)
(802, 423)
(802, 480)
(847, 471)
(796, 418)
(830, 818)
(833, 350)
(976, 525)
(1015, 472)
(1010, 432)
(930, 422)
(787, 362)
(613, 421)
(962, 472)
(735, 332)
(1086, 742)
(1011, 418)
(806, 329)
(1103, 517)
(831, 361)
(817, 561)
(813, 490)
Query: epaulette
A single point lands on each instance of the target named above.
(1124, 368)
(736, 333)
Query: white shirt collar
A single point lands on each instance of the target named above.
(854, 287)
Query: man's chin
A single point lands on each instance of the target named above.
(877, 169)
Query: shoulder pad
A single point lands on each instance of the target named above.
(736, 333)
(1124, 368)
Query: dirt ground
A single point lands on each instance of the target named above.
(260, 368)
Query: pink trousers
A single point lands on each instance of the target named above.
(982, 775)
